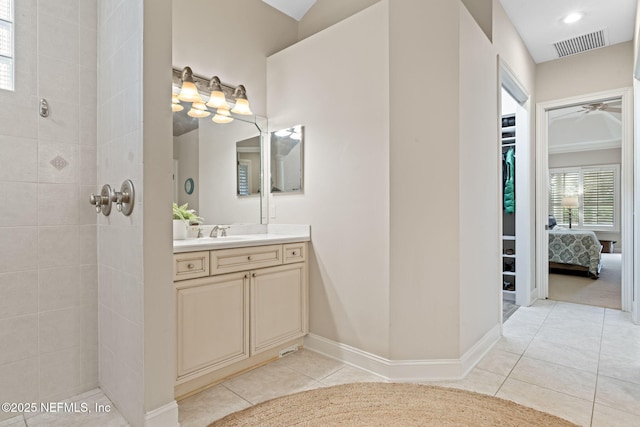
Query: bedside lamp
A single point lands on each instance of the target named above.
(570, 202)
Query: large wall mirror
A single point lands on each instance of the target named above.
(221, 166)
(287, 160)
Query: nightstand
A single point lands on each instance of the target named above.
(607, 246)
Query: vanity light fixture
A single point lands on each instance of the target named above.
(222, 115)
(175, 104)
(198, 110)
(217, 98)
(193, 88)
(189, 90)
(242, 103)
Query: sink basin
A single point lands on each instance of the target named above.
(238, 237)
(208, 239)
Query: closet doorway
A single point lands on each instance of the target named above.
(516, 154)
(585, 194)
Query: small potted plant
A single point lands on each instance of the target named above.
(182, 218)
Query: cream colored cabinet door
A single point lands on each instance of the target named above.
(213, 322)
(279, 305)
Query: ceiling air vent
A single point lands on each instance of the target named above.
(580, 44)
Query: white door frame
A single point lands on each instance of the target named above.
(526, 292)
(626, 190)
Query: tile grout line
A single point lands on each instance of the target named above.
(595, 389)
(524, 351)
(232, 391)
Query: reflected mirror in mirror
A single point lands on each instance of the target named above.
(206, 153)
(248, 166)
(287, 160)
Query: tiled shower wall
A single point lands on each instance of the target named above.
(48, 230)
(120, 238)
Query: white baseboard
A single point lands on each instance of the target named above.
(406, 370)
(164, 416)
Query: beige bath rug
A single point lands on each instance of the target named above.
(389, 404)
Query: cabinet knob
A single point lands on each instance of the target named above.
(253, 275)
(249, 258)
(294, 253)
(246, 276)
(190, 266)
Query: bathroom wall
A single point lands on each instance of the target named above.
(137, 326)
(48, 271)
(231, 40)
(159, 407)
(482, 12)
(325, 13)
(434, 230)
(479, 219)
(512, 50)
(121, 286)
(345, 111)
(602, 69)
(513, 54)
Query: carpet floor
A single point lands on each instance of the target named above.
(604, 292)
(389, 404)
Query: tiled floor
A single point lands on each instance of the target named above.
(579, 362)
(303, 370)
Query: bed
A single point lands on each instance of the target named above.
(575, 250)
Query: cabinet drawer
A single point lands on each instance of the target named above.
(240, 259)
(190, 265)
(294, 252)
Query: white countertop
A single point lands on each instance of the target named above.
(240, 236)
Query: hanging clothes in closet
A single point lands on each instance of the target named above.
(509, 174)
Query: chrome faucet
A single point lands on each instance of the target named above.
(218, 228)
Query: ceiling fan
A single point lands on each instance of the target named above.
(611, 107)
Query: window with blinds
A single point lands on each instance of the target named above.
(597, 189)
(6, 45)
(243, 179)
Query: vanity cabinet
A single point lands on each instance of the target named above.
(213, 322)
(252, 304)
(278, 312)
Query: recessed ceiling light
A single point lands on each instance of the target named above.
(572, 17)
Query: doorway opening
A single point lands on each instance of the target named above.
(516, 154)
(585, 154)
(584, 200)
